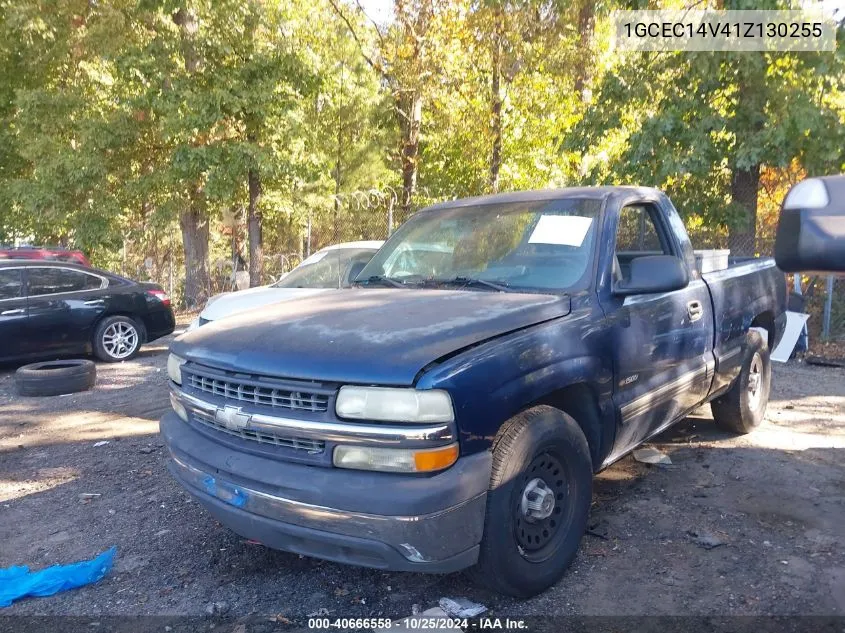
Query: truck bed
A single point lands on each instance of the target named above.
(745, 288)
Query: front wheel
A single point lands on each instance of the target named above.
(117, 338)
(538, 502)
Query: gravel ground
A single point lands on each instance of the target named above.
(772, 503)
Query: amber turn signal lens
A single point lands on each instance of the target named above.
(438, 459)
(395, 460)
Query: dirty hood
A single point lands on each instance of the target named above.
(366, 336)
(234, 302)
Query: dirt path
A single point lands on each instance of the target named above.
(773, 503)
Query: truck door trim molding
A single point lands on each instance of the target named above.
(662, 394)
(723, 359)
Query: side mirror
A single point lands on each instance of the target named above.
(811, 229)
(353, 271)
(652, 274)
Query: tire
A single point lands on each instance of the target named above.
(742, 408)
(540, 443)
(117, 338)
(55, 377)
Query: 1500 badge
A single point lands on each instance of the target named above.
(630, 379)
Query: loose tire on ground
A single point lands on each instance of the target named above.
(524, 551)
(117, 338)
(741, 409)
(55, 377)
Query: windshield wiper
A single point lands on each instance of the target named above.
(378, 279)
(500, 286)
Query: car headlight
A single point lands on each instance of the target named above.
(174, 368)
(396, 460)
(394, 405)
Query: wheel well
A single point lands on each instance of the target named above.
(580, 401)
(128, 315)
(766, 320)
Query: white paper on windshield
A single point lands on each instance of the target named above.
(314, 258)
(566, 230)
(794, 325)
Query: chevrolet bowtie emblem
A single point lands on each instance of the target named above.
(232, 418)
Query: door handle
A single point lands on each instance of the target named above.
(695, 310)
(94, 302)
(11, 312)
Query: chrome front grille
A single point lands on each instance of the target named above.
(265, 392)
(298, 443)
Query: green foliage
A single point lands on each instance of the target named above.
(687, 122)
(117, 116)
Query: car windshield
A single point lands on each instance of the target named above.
(328, 268)
(541, 245)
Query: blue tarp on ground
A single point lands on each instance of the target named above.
(19, 582)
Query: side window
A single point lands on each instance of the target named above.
(11, 283)
(636, 236)
(48, 281)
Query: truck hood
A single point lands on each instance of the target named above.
(364, 336)
(233, 302)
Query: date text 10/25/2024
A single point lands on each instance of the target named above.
(420, 623)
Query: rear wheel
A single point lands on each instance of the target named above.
(742, 408)
(538, 503)
(117, 338)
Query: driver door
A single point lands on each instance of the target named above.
(661, 343)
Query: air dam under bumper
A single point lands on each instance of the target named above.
(381, 520)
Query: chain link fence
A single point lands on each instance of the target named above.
(823, 298)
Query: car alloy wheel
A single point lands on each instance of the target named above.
(120, 339)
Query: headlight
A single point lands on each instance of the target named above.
(397, 460)
(174, 368)
(394, 405)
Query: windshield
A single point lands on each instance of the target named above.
(542, 245)
(326, 269)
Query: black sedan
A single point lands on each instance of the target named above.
(55, 309)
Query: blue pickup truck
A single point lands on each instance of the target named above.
(449, 411)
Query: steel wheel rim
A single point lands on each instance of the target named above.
(120, 339)
(535, 537)
(755, 381)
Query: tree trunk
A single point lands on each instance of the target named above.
(410, 148)
(186, 20)
(742, 233)
(193, 219)
(584, 63)
(496, 111)
(194, 224)
(256, 243)
(337, 174)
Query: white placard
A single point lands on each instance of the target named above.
(794, 324)
(566, 230)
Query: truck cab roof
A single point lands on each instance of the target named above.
(590, 193)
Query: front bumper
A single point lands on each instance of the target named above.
(381, 520)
